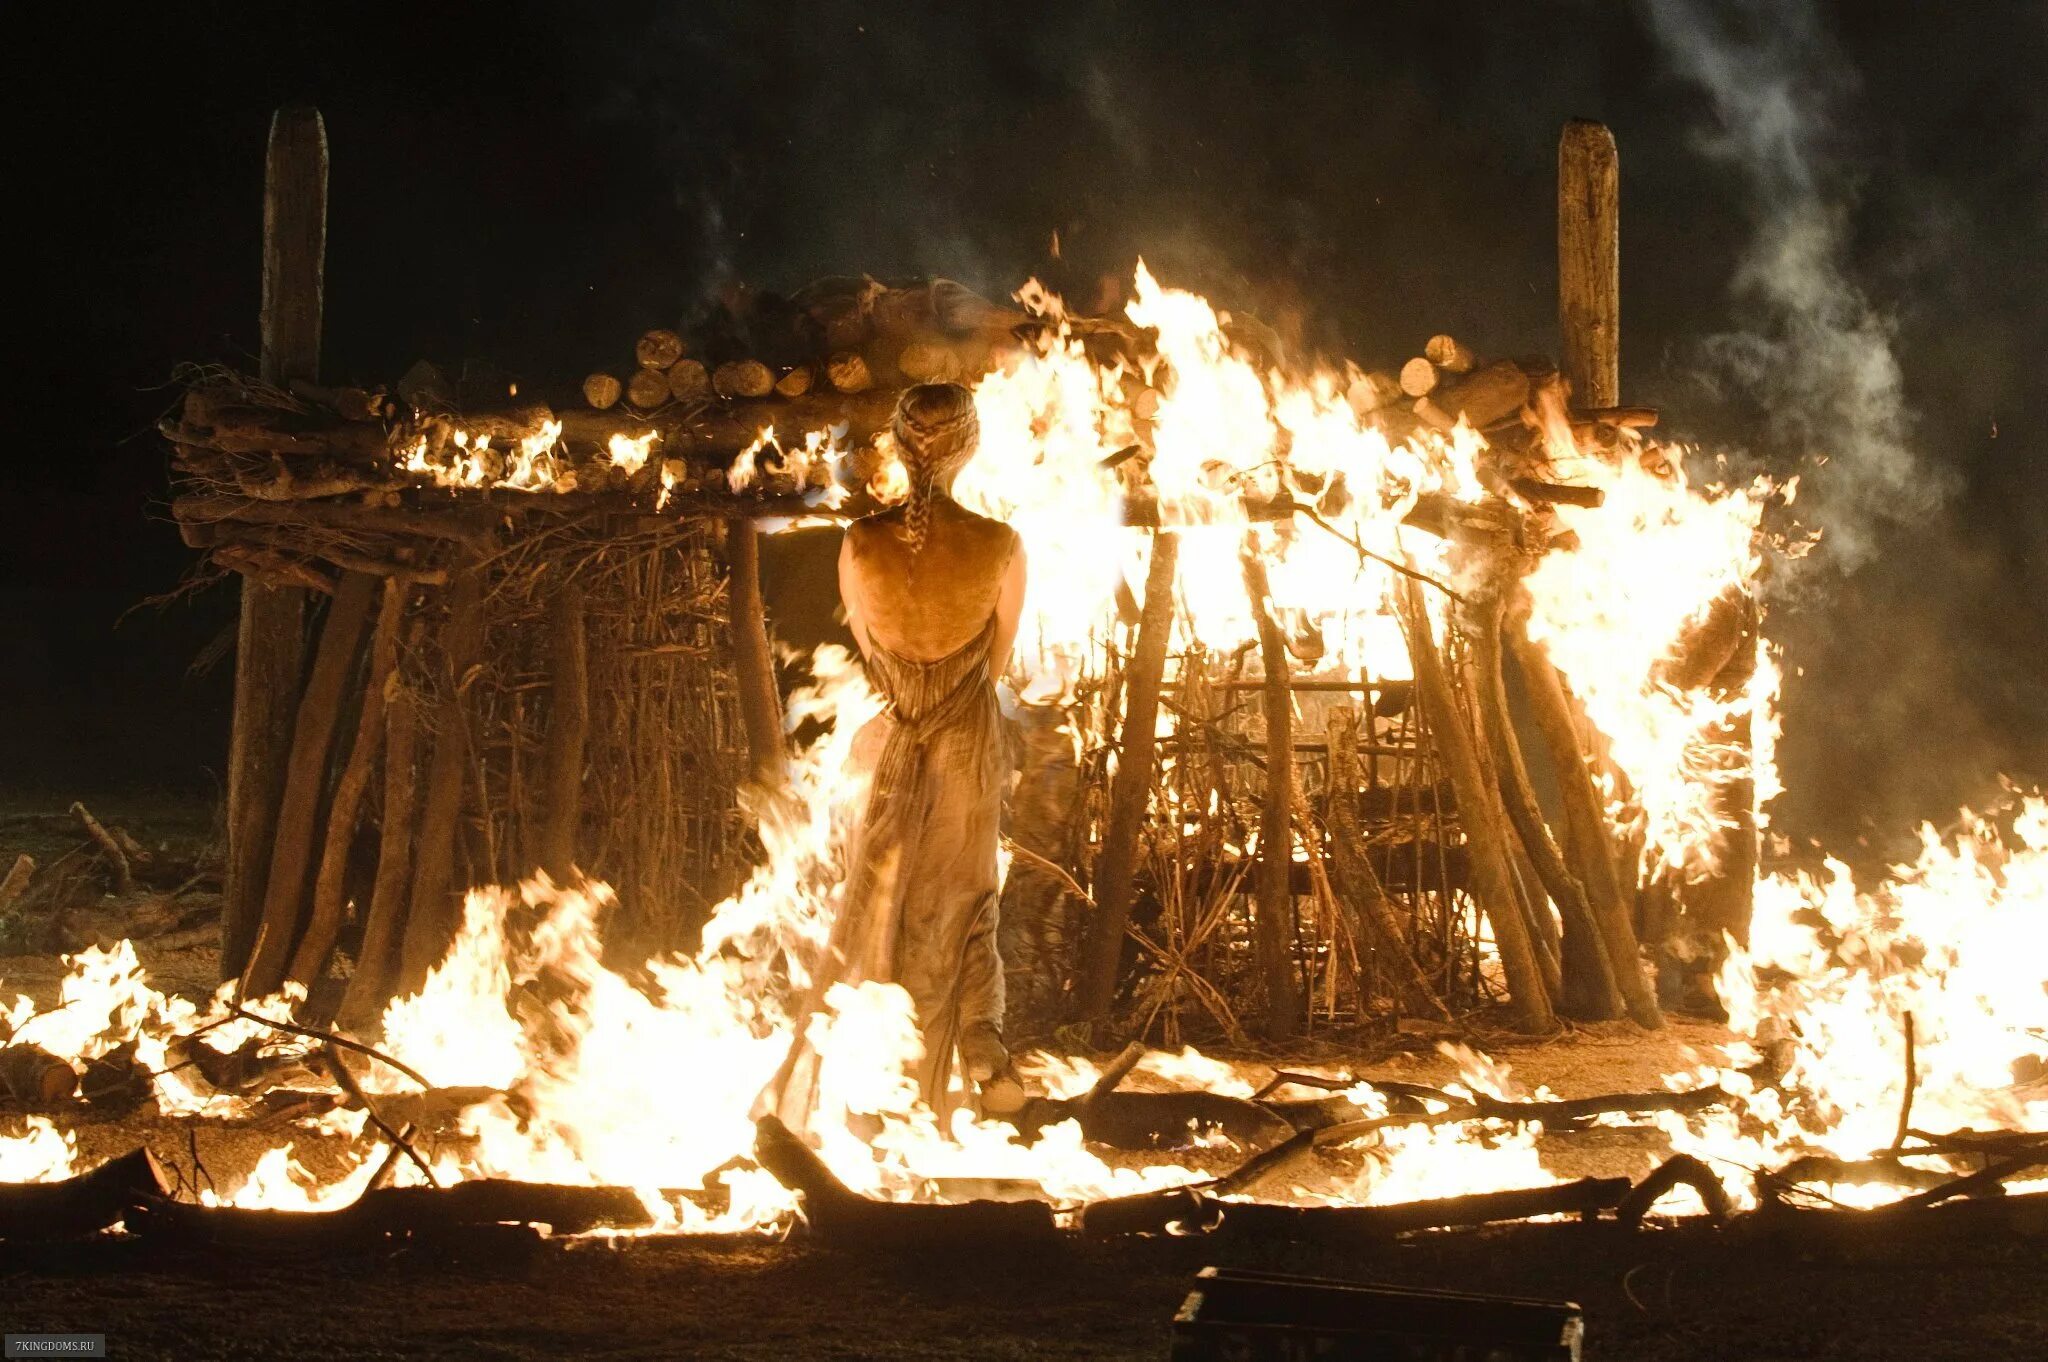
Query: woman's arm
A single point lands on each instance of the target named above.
(1009, 608)
(849, 593)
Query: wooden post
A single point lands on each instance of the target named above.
(1589, 262)
(1480, 817)
(1585, 825)
(1137, 748)
(754, 664)
(270, 639)
(434, 916)
(1274, 925)
(369, 989)
(323, 925)
(568, 730)
(305, 783)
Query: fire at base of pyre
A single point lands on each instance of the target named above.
(1884, 1043)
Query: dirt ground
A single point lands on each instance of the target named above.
(1676, 1295)
(1681, 1293)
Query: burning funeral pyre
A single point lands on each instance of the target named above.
(1302, 645)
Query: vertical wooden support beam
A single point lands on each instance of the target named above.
(1589, 262)
(754, 664)
(305, 783)
(270, 639)
(1481, 819)
(1273, 925)
(323, 925)
(369, 988)
(1131, 791)
(435, 913)
(568, 730)
(1585, 824)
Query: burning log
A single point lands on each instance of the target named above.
(1116, 862)
(431, 923)
(1679, 1170)
(284, 899)
(323, 925)
(1585, 836)
(1373, 1224)
(1480, 399)
(1156, 1212)
(1590, 990)
(377, 960)
(82, 1205)
(839, 1215)
(1900, 1232)
(753, 660)
(1478, 816)
(1356, 884)
(1274, 925)
(31, 1076)
(1155, 1120)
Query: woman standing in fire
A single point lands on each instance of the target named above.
(932, 593)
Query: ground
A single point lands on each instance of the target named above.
(1679, 1293)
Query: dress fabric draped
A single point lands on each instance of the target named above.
(920, 902)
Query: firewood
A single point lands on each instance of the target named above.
(1116, 861)
(602, 391)
(323, 923)
(658, 349)
(16, 882)
(742, 378)
(1273, 924)
(32, 1076)
(432, 918)
(753, 660)
(1112, 1076)
(1167, 1210)
(848, 373)
(471, 529)
(1370, 391)
(284, 897)
(1418, 377)
(84, 1204)
(927, 361)
(1358, 887)
(1448, 354)
(1628, 418)
(116, 858)
(688, 380)
(1368, 1224)
(1897, 1233)
(1480, 399)
(1268, 1163)
(1557, 493)
(1152, 1120)
(838, 1214)
(795, 383)
(647, 388)
(1480, 818)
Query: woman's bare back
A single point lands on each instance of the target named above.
(927, 605)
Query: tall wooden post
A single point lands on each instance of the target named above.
(1137, 749)
(270, 642)
(1589, 262)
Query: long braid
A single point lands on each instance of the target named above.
(936, 432)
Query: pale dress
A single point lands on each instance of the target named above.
(920, 904)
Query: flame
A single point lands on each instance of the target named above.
(629, 452)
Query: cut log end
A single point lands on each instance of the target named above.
(602, 391)
(1418, 377)
(659, 349)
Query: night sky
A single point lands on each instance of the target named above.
(1835, 238)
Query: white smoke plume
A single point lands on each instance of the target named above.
(1814, 350)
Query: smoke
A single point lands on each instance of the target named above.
(1813, 352)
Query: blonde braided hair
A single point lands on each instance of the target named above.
(936, 433)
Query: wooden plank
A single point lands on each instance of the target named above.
(760, 698)
(568, 728)
(1273, 925)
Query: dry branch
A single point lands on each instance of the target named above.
(116, 857)
(1354, 1224)
(81, 1205)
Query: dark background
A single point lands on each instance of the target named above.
(529, 186)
